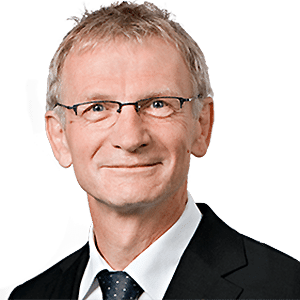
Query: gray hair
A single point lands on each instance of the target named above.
(130, 21)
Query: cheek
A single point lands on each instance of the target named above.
(183, 140)
(176, 139)
(82, 144)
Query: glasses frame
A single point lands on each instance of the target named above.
(136, 104)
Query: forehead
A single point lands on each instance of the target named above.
(126, 68)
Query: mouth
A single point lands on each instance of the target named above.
(124, 166)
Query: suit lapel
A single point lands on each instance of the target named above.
(214, 251)
(72, 269)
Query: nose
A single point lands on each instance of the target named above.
(129, 132)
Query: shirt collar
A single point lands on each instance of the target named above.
(154, 268)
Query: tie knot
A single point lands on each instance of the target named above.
(118, 286)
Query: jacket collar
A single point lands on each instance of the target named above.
(215, 251)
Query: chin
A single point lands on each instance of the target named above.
(131, 201)
(126, 206)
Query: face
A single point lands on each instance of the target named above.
(135, 161)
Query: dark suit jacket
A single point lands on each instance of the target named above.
(218, 263)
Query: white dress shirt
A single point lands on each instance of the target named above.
(154, 268)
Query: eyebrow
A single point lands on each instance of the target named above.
(99, 96)
(163, 92)
(167, 92)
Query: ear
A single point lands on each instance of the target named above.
(57, 138)
(204, 128)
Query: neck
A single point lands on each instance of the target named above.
(121, 237)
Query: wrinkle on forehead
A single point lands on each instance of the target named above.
(114, 42)
(107, 64)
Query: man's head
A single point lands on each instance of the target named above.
(137, 155)
(129, 21)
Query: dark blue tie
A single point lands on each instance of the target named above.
(118, 286)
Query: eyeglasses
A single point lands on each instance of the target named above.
(107, 111)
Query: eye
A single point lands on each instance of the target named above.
(158, 104)
(98, 107)
(159, 107)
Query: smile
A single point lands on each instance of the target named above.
(135, 166)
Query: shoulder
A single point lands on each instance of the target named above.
(266, 253)
(260, 270)
(261, 255)
(268, 271)
(42, 286)
(256, 253)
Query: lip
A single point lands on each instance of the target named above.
(134, 166)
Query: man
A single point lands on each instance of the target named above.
(129, 100)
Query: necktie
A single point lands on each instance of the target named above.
(118, 286)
